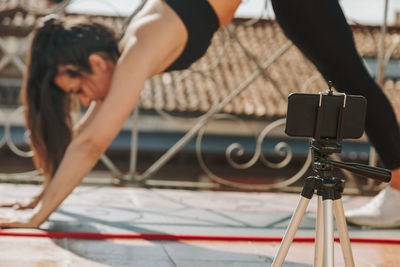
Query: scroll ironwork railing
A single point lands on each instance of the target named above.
(13, 118)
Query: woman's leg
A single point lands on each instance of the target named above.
(320, 30)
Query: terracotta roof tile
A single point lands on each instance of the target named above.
(235, 53)
(39, 7)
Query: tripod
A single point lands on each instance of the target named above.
(329, 190)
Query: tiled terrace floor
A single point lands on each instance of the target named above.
(135, 210)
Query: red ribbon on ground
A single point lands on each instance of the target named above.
(82, 235)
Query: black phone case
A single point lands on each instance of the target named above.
(302, 115)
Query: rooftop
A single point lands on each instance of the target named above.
(237, 51)
(178, 228)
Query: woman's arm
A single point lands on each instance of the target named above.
(156, 37)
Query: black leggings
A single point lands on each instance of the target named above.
(320, 30)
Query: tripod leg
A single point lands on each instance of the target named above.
(328, 233)
(319, 235)
(290, 232)
(343, 233)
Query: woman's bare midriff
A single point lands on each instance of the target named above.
(225, 9)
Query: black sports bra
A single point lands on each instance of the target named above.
(201, 22)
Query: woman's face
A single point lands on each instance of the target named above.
(87, 87)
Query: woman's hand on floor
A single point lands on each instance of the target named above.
(28, 203)
(17, 220)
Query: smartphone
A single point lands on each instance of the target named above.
(301, 120)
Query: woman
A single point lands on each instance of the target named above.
(84, 59)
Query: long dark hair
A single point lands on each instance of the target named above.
(58, 42)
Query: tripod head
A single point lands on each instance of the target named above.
(323, 165)
(328, 118)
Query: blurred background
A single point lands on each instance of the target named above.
(218, 125)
